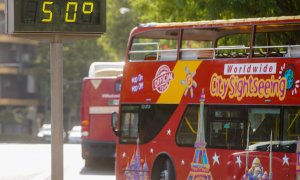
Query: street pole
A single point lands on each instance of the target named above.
(56, 64)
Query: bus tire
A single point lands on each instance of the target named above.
(163, 169)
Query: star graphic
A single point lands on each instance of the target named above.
(216, 159)
(123, 155)
(285, 160)
(238, 161)
(182, 162)
(169, 132)
(151, 150)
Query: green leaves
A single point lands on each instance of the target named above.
(190, 10)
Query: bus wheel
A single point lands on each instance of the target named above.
(163, 169)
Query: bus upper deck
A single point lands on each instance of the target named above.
(238, 38)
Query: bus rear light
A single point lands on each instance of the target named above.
(85, 128)
(85, 123)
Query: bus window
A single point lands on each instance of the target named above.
(197, 44)
(144, 49)
(284, 41)
(118, 86)
(226, 127)
(187, 131)
(233, 46)
(262, 121)
(143, 121)
(193, 44)
(153, 119)
(129, 123)
(291, 124)
(162, 46)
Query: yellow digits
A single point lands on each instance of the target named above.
(45, 11)
(71, 10)
(69, 4)
(85, 10)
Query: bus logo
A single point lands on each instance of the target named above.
(162, 79)
(249, 68)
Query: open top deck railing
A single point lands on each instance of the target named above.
(239, 51)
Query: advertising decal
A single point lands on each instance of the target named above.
(200, 166)
(137, 83)
(162, 79)
(241, 80)
(136, 168)
(189, 82)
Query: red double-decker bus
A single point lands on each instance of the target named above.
(100, 97)
(211, 100)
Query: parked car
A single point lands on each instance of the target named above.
(74, 135)
(45, 133)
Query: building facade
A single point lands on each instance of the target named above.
(18, 97)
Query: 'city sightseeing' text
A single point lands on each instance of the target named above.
(240, 87)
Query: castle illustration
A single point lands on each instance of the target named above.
(256, 172)
(200, 168)
(136, 169)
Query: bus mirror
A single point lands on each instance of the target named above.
(114, 122)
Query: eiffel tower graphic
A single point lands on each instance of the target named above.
(200, 168)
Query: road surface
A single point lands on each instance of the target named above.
(33, 162)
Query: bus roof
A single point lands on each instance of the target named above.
(230, 22)
(105, 69)
(214, 29)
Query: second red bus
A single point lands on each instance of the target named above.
(100, 97)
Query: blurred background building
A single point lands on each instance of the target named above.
(18, 97)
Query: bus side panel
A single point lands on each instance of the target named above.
(223, 164)
(101, 128)
(222, 84)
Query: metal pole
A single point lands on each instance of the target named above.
(56, 58)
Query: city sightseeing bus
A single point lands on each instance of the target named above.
(100, 97)
(210, 100)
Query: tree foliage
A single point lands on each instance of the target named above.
(119, 25)
(190, 10)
